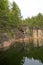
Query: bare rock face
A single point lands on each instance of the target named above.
(18, 34)
(40, 33)
(4, 41)
(35, 34)
(3, 37)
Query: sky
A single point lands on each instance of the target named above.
(29, 8)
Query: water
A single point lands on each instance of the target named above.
(22, 54)
(31, 62)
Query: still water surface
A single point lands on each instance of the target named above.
(22, 54)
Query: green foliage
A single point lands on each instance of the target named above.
(9, 18)
(35, 22)
(4, 14)
(15, 15)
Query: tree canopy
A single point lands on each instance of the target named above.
(11, 17)
(34, 22)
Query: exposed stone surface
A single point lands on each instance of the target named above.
(20, 36)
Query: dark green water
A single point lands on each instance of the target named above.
(22, 54)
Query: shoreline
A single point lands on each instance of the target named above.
(12, 41)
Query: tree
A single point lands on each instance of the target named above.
(15, 16)
(4, 14)
(39, 20)
(35, 22)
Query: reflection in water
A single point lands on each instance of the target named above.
(31, 62)
(37, 42)
(40, 42)
(22, 54)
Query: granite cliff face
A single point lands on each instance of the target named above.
(21, 36)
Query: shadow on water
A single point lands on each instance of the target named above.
(23, 54)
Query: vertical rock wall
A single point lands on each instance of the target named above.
(35, 34)
(40, 34)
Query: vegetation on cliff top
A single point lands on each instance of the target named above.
(10, 18)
